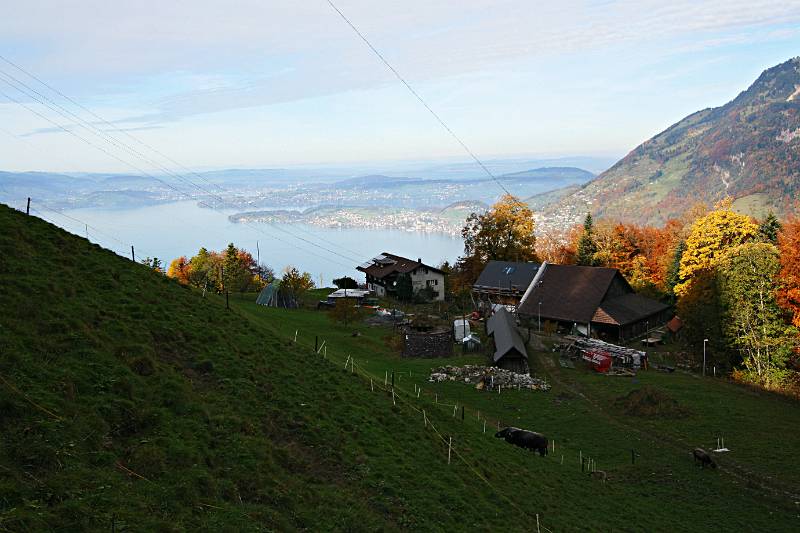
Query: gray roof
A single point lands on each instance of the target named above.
(506, 337)
(506, 275)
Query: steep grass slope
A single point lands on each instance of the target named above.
(128, 402)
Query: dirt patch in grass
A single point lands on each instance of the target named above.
(648, 402)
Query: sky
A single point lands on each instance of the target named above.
(257, 83)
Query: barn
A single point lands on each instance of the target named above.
(510, 352)
(596, 301)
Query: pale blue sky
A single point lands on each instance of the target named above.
(265, 83)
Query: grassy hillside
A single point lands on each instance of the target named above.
(128, 401)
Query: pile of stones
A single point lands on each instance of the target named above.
(487, 378)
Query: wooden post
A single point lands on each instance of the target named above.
(28, 208)
(455, 409)
(371, 386)
(554, 445)
(295, 336)
(419, 389)
(393, 402)
(484, 426)
(385, 378)
(462, 413)
(537, 523)
(346, 361)
(436, 398)
(133, 254)
(449, 449)
(316, 343)
(633, 457)
(424, 418)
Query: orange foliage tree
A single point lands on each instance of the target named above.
(180, 269)
(789, 276)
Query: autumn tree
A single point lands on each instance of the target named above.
(586, 248)
(752, 321)
(504, 233)
(180, 269)
(296, 283)
(205, 270)
(238, 268)
(789, 275)
(710, 237)
(154, 264)
(345, 311)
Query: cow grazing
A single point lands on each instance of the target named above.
(523, 438)
(701, 455)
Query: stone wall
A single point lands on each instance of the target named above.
(437, 343)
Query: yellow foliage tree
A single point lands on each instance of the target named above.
(504, 233)
(709, 238)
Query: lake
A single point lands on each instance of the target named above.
(170, 230)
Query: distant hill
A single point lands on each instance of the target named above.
(572, 174)
(375, 181)
(748, 149)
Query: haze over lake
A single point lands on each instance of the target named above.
(170, 230)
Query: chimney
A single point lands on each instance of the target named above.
(419, 260)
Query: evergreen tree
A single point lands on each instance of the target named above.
(404, 289)
(769, 228)
(587, 247)
(674, 272)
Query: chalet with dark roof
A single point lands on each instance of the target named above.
(504, 282)
(597, 300)
(384, 270)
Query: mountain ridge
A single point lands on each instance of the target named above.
(747, 149)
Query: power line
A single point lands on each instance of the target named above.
(114, 142)
(418, 97)
(108, 138)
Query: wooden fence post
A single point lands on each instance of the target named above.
(449, 449)
(28, 208)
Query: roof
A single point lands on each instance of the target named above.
(386, 263)
(508, 275)
(349, 293)
(675, 324)
(627, 308)
(506, 337)
(570, 293)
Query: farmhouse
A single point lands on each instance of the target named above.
(596, 301)
(384, 271)
(504, 282)
(510, 352)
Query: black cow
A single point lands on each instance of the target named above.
(701, 455)
(524, 439)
